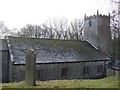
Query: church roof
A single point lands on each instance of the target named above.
(53, 50)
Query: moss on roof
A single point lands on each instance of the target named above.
(54, 50)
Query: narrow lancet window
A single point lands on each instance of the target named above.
(90, 23)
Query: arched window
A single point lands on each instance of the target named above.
(90, 23)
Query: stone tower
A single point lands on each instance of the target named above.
(97, 32)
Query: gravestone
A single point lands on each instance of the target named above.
(30, 67)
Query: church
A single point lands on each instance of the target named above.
(61, 59)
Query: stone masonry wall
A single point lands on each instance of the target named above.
(53, 71)
(5, 66)
(99, 34)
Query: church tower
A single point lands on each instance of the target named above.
(97, 32)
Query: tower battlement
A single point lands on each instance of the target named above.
(96, 16)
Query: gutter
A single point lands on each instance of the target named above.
(37, 63)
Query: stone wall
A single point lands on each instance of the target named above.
(0, 66)
(53, 71)
(90, 32)
(5, 66)
(4, 61)
(98, 34)
(111, 72)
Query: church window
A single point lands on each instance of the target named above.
(39, 74)
(64, 71)
(99, 68)
(90, 23)
(86, 70)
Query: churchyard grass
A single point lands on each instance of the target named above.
(109, 82)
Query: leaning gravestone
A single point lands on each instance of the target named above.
(30, 67)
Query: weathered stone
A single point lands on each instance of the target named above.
(53, 71)
(30, 67)
(95, 28)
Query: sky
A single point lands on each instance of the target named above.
(18, 13)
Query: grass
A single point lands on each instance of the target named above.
(109, 82)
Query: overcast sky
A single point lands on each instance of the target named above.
(17, 13)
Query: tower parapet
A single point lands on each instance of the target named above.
(96, 16)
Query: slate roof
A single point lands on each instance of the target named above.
(3, 44)
(53, 50)
(114, 64)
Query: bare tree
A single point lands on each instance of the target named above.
(77, 29)
(3, 30)
(31, 31)
(49, 31)
(115, 22)
(54, 29)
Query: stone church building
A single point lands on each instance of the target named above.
(61, 59)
